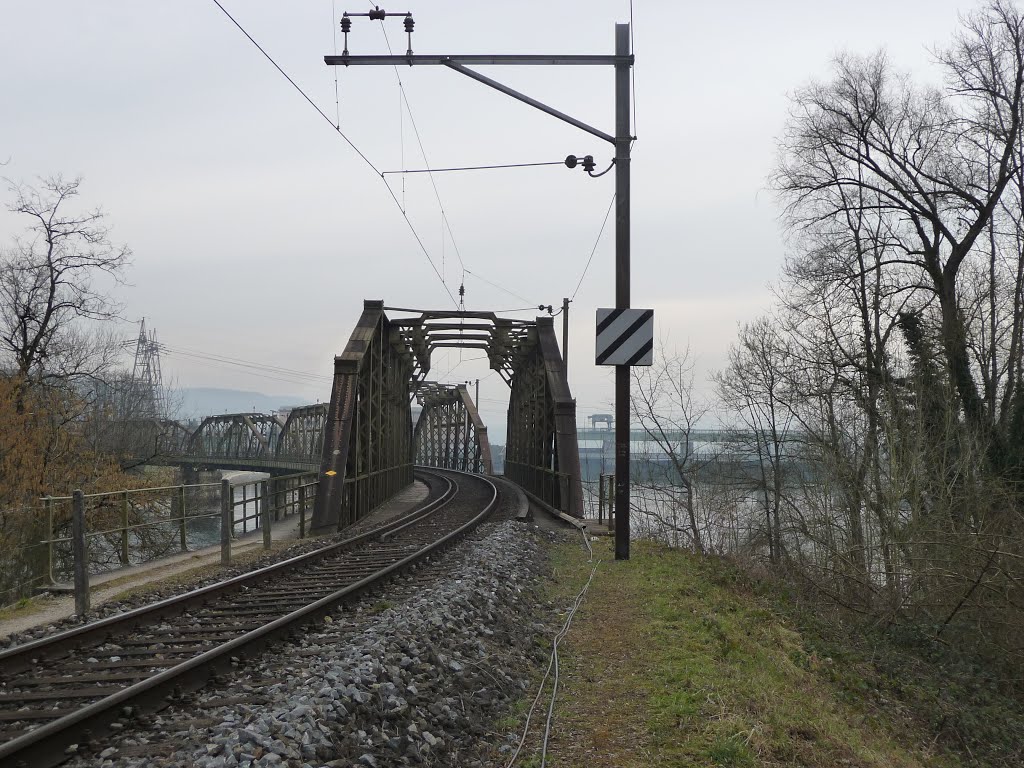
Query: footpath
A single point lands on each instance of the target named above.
(104, 587)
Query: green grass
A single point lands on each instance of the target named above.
(379, 607)
(681, 661)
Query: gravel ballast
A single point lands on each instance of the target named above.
(419, 674)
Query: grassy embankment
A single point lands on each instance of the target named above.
(677, 660)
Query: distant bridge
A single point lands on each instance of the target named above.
(363, 444)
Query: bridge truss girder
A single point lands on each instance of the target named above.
(302, 436)
(236, 436)
(367, 446)
(449, 433)
(368, 453)
(256, 441)
(541, 449)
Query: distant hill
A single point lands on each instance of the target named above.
(196, 402)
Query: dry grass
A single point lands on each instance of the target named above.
(674, 661)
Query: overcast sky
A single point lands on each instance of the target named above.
(257, 231)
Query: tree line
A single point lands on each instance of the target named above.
(881, 399)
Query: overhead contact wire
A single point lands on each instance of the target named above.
(337, 129)
(423, 152)
(473, 168)
(594, 249)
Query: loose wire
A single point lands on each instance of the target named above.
(554, 664)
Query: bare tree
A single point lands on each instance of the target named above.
(930, 166)
(752, 386)
(896, 345)
(48, 285)
(664, 406)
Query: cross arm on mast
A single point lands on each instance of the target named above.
(458, 63)
(477, 59)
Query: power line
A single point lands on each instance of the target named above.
(305, 375)
(295, 85)
(337, 129)
(594, 249)
(261, 370)
(183, 351)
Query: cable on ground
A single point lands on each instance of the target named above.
(553, 664)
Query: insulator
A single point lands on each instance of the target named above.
(409, 23)
(376, 14)
(462, 290)
(346, 24)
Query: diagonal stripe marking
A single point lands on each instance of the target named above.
(642, 353)
(610, 318)
(612, 332)
(636, 326)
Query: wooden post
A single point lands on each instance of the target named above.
(265, 513)
(226, 521)
(302, 511)
(183, 532)
(124, 528)
(79, 547)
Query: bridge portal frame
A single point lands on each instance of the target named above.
(449, 433)
(367, 457)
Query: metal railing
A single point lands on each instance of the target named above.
(551, 487)
(68, 537)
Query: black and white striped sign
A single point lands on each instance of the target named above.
(625, 337)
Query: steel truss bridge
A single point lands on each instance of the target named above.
(363, 444)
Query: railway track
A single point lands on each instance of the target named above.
(69, 688)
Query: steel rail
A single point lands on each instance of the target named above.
(21, 657)
(46, 745)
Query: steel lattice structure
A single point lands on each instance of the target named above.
(367, 449)
(364, 442)
(541, 451)
(449, 433)
(255, 441)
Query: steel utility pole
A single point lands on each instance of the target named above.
(622, 60)
(623, 139)
(565, 336)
